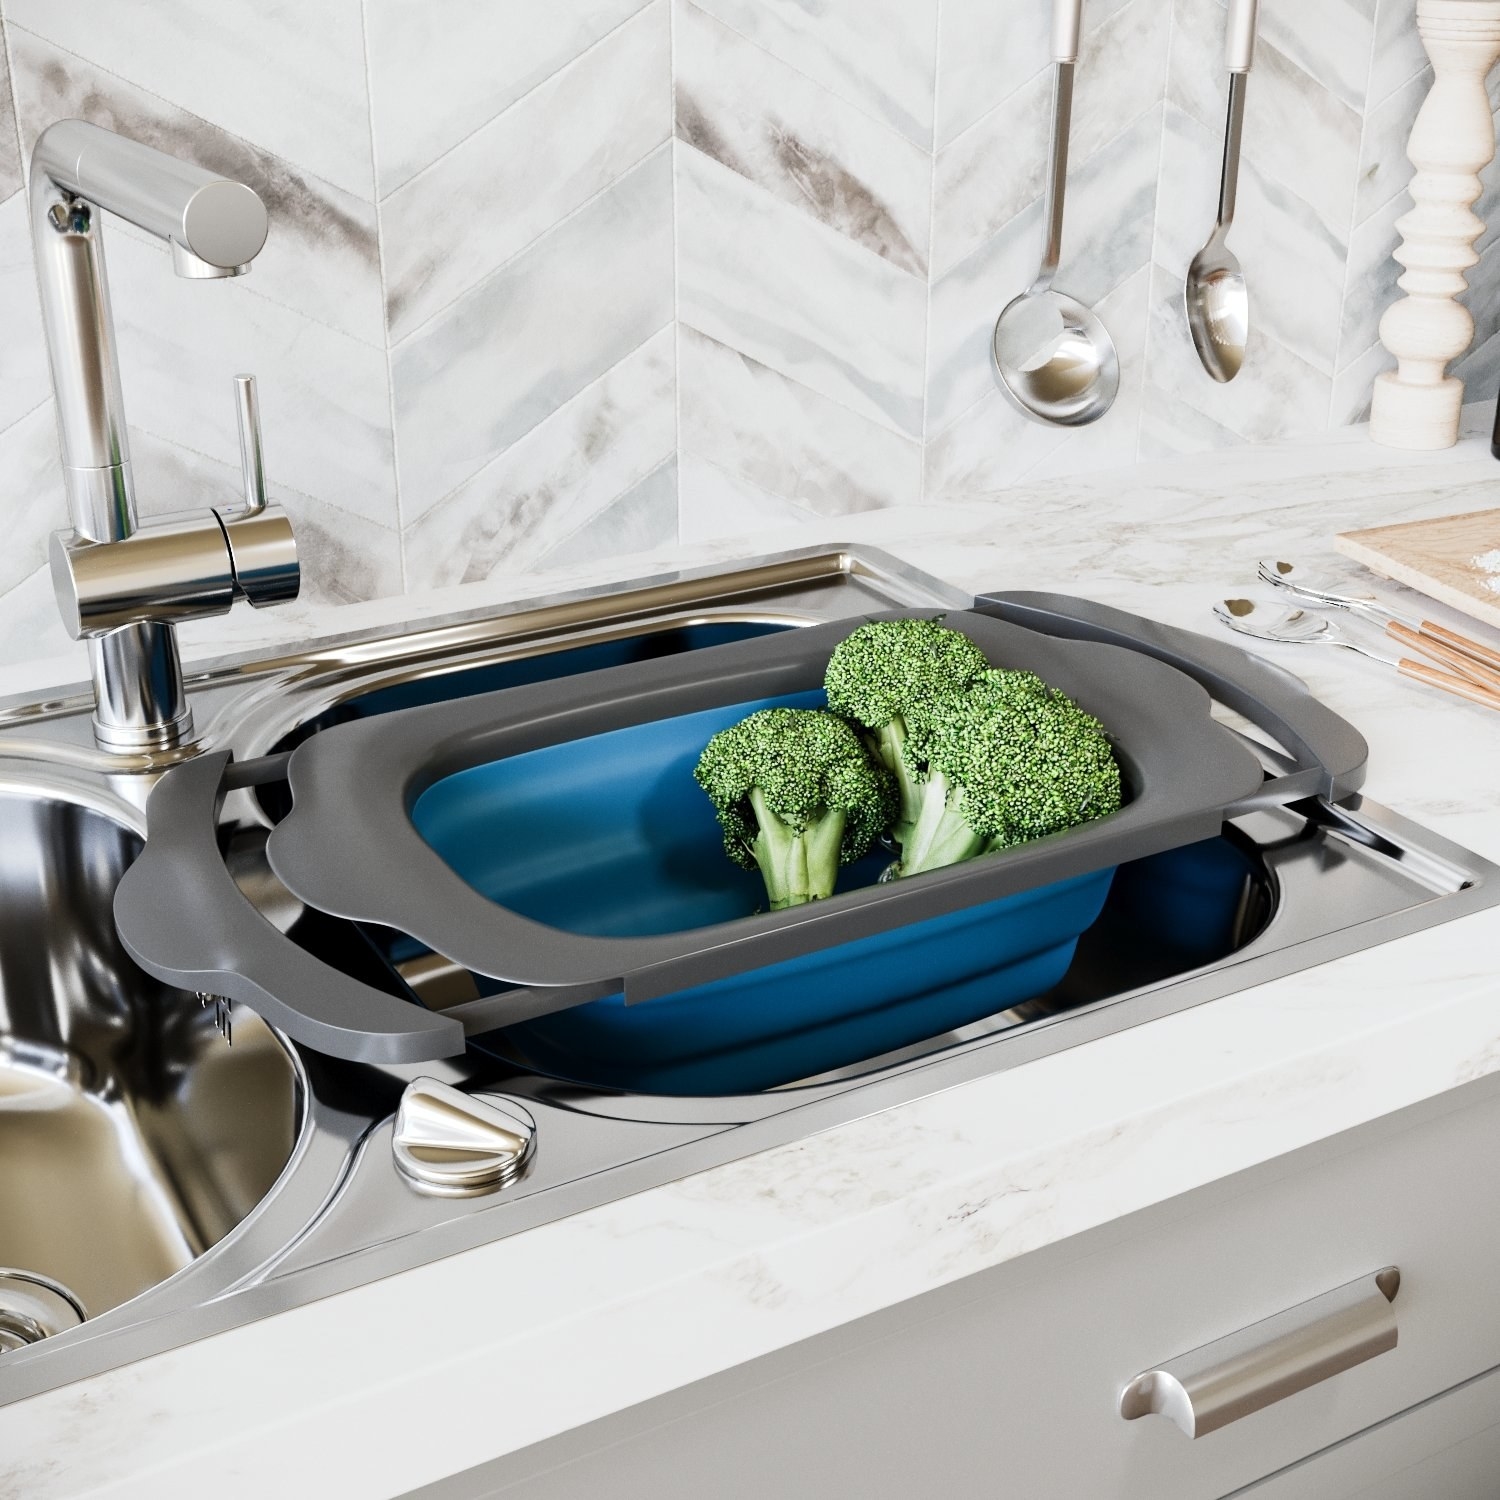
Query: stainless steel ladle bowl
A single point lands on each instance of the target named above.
(1051, 355)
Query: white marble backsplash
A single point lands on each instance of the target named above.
(567, 278)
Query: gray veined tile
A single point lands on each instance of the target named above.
(556, 480)
(987, 49)
(1483, 302)
(31, 631)
(321, 256)
(442, 68)
(1384, 170)
(1297, 130)
(24, 382)
(1294, 266)
(515, 348)
(992, 171)
(1353, 384)
(291, 78)
(878, 54)
(34, 505)
(1330, 41)
(993, 447)
(758, 115)
(643, 519)
(763, 278)
(454, 223)
(717, 506)
(1370, 279)
(759, 424)
(1276, 394)
(1106, 240)
(1169, 428)
(11, 175)
(1399, 54)
(1304, 136)
(324, 396)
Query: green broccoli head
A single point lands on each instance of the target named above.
(797, 795)
(876, 674)
(1004, 761)
(885, 669)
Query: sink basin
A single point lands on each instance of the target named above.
(133, 1135)
(177, 1186)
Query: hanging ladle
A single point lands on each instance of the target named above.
(1218, 305)
(1052, 355)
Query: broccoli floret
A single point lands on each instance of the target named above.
(877, 675)
(797, 795)
(1006, 760)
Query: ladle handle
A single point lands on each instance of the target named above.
(1239, 41)
(1067, 23)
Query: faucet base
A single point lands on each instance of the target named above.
(138, 690)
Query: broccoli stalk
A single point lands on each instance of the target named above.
(883, 671)
(1003, 761)
(797, 795)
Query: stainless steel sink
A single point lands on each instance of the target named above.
(177, 1181)
(132, 1138)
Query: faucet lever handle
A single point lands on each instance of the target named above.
(262, 548)
(252, 460)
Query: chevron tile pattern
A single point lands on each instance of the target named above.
(562, 279)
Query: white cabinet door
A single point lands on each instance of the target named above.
(1009, 1383)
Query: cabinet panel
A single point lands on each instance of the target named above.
(1447, 1448)
(1010, 1381)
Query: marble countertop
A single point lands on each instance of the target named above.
(649, 1293)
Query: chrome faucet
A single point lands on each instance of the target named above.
(120, 585)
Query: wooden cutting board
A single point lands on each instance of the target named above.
(1455, 559)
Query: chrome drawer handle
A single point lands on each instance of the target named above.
(1234, 1376)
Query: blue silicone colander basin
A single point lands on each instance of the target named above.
(610, 836)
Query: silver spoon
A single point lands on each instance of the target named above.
(1218, 305)
(1449, 646)
(1052, 356)
(1296, 627)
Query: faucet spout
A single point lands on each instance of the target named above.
(120, 586)
(215, 227)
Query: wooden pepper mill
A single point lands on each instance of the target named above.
(1416, 405)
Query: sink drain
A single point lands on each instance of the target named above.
(33, 1308)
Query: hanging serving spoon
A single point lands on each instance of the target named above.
(1299, 627)
(1218, 304)
(1052, 356)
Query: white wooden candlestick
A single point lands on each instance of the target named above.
(1416, 405)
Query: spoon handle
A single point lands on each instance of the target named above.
(1450, 656)
(1239, 41)
(1460, 686)
(1477, 650)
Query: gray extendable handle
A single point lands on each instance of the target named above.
(1330, 753)
(183, 919)
(1257, 1366)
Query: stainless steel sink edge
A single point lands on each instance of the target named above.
(340, 1216)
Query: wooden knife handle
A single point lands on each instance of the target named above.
(1462, 687)
(1450, 656)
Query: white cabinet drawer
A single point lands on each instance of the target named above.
(1009, 1383)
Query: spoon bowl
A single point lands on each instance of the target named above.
(1218, 307)
(1270, 622)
